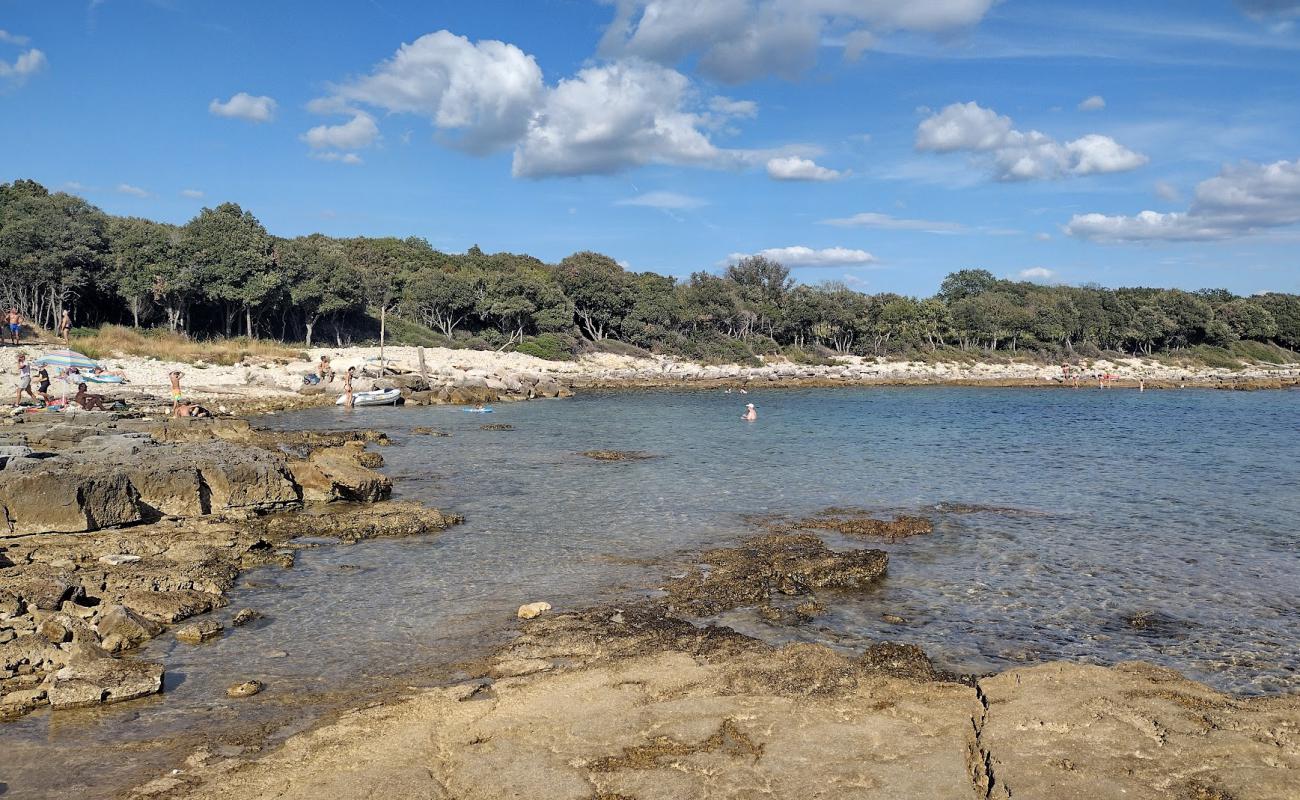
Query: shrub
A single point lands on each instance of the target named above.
(548, 346)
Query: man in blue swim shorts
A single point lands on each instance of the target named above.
(15, 321)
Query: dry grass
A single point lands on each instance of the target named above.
(163, 345)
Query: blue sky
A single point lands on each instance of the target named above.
(877, 143)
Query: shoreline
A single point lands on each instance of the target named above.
(471, 376)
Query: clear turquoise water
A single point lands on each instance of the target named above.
(1183, 504)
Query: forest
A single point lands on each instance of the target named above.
(222, 274)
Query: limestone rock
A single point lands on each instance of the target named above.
(197, 632)
(58, 495)
(129, 628)
(170, 606)
(531, 610)
(336, 473)
(89, 681)
(245, 689)
(244, 616)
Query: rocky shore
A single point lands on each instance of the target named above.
(114, 530)
(646, 701)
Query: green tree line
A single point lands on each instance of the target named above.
(222, 273)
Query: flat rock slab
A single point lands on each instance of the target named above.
(103, 680)
(201, 631)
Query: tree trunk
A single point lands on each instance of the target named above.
(135, 312)
(311, 323)
(248, 322)
(383, 317)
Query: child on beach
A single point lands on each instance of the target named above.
(43, 383)
(175, 376)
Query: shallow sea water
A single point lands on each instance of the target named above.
(1178, 505)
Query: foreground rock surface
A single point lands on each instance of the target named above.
(632, 704)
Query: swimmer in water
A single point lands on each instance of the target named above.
(750, 414)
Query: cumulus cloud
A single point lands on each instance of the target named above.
(360, 131)
(1020, 155)
(794, 168)
(871, 219)
(615, 116)
(1242, 199)
(1094, 103)
(663, 200)
(481, 93)
(26, 65)
(800, 256)
(134, 191)
(193, 194)
(341, 158)
(738, 40)
(1040, 274)
(245, 106)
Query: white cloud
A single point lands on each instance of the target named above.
(800, 256)
(1018, 155)
(793, 168)
(871, 219)
(485, 92)
(728, 107)
(612, 117)
(26, 65)
(1240, 200)
(663, 200)
(193, 194)
(1167, 191)
(737, 40)
(360, 131)
(134, 191)
(1040, 274)
(245, 106)
(1262, 9)
(12, 38)
(342, 158)
(1094, 103)
(1043, 237)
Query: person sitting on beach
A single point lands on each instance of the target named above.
(175, 376)
(323, 370)
(88, 402)
(24, 379)
(15, 321)
(750, 413)
(192, 410)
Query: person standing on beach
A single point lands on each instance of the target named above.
(15, 322)
(43, 383)
(347, 387)
(24, 379)
(175, 376)
(750, 413)
(65, 327)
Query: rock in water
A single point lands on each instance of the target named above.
(244, 616)
(245, 689)
(533, 610)
(200, 631)
(94, 679)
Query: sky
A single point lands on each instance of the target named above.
(874, 143)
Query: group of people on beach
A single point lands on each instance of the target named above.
(1072, 374)
(82, 397)
(325, 374)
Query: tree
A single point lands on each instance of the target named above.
(966, 283)
(599, 291)
(322, 282)
(53, 250)
(230, 252)
(141, 251)
(441, 298)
